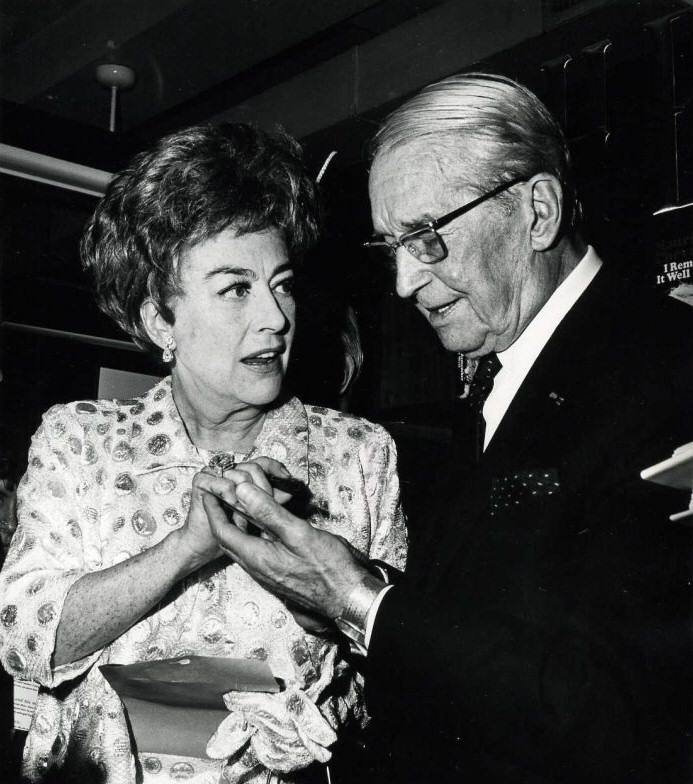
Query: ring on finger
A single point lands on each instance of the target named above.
(221, 462)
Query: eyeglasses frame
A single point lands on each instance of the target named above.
(438, 223)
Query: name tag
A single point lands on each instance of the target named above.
(25, 696)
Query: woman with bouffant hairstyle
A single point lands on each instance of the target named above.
(193, 252)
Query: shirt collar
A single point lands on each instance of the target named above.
(523, 352)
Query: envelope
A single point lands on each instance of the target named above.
(175, 705)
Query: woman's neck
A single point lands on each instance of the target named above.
(211, 424)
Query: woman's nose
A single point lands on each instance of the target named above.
(270, 315)
(412, 274)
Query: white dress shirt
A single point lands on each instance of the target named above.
(517, 360)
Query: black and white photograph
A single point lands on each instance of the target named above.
(346, 391)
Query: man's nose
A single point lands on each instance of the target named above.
(412, 274)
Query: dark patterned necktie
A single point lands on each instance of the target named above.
(479, 390)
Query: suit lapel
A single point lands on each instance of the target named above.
(526, 436)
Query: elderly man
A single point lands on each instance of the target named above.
(542, 632)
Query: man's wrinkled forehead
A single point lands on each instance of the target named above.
(412, 183)
(419, 155)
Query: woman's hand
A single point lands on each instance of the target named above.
(196, 534)
(271, 476)
(264, 472)
(267, 474)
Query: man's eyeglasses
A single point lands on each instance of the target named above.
(424, 243)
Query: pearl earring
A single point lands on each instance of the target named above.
(169, 345)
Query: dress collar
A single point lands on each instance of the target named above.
(166, 444)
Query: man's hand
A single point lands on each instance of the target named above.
(301, 564)
(310, 622)
(196, 537)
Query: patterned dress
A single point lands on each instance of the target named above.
(109, 479)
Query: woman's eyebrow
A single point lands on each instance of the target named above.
(242, 271)
(287, 266)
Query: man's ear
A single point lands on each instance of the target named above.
(158, 329)
(547, 207)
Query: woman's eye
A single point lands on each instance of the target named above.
(286, 286)
(236, 291)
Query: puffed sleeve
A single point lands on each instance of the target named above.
(47, 554)
(388, 526)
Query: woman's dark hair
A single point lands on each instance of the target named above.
(187, 188)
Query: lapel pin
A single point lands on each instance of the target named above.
(557, 399)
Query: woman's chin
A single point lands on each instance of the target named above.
(263, 401)
(264, 392)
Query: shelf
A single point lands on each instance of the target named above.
(675, 471)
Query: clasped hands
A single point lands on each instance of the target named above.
(313, 571)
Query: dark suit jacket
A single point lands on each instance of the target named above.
(543, 631)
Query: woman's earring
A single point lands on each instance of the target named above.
(169, 345)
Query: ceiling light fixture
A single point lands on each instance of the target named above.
(115, 77)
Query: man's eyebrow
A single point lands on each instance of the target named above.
(418, 223)
(242, 271)
(407, 225)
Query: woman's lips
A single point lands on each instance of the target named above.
(264, 361)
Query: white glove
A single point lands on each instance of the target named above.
(286, 731)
